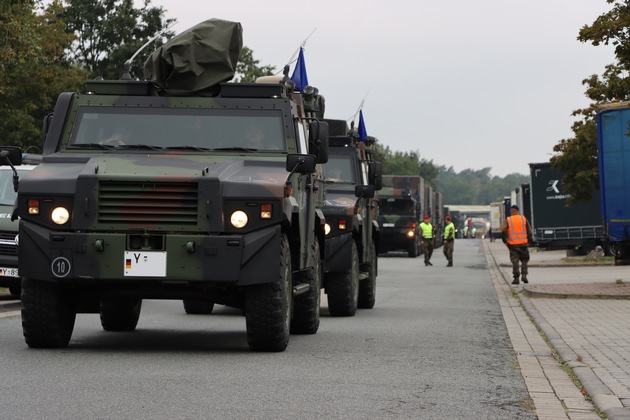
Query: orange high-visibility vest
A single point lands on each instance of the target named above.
(517, 230)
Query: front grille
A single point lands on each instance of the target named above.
(7, 243)
(147, 202)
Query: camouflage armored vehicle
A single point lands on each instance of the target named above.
(350, 263)
(179, 187)
(9, 237)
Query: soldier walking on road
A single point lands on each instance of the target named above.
(449, 240)
(427, 239)
(516, 235)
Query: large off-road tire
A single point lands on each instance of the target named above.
(198, 307)
(48, 314)
(367, 287)
(343, 288)
(306, 306)
(120, 314)
(414, 249)
(268, 307)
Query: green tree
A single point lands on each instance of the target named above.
(476, 187)
(109, 32)
(405, 163)
(576, 157)
(32, 69)
(248, 68)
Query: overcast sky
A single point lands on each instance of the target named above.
(468, 84)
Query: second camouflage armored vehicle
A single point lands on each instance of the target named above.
(350, 263)
(178, 187)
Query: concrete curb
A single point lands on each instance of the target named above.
(535, 294)
(603, 398)
(10, 306)
(558, 265)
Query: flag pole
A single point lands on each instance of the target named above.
(302, 45)
(360, 106)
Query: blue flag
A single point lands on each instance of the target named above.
(299, 72)
(362, 130)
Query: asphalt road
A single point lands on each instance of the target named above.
(434, 346)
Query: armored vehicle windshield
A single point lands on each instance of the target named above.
(178, 128)
(339, 169)
(7, 191)
(393, 206)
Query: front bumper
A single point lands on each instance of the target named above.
(235, 260)
(393, 239)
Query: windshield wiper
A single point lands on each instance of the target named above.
(238, 149)
(138, 147)
(93, 145)
(200, 149)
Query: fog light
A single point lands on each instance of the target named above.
(411, 234)
(33, 206)
(265, 211)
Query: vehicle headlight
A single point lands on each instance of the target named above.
(239, 219)
(326, 228)
(411, 234)
(60, 215)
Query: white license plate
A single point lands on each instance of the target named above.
(389, 224)
(9, 272)
(145, 264)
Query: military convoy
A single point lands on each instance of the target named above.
(350, 264)
(186, 187)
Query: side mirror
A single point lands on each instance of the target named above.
(10, 155)
(364, 191)
(318, 140)
(376, 174)
(302, 164)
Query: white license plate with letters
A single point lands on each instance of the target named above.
(9, 272)
(145, 264)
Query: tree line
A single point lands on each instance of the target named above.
(468, 187)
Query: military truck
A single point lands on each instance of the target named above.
(9, 238)
(401, 209)
(350, 208)
(151, 189)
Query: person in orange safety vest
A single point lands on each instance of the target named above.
(516, 235)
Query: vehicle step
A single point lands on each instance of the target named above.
(298, 289)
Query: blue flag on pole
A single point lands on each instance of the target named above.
(299, 72)
(362, 130)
